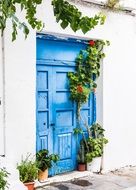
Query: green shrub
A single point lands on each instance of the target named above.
(3, 178)
(44, 160)
(95, 148)
(28, 170)
(95, 143)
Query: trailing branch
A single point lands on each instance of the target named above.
(69, 15)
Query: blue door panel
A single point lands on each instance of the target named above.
(61, 50)
(64, 120)
(56, 114)
(43, 116)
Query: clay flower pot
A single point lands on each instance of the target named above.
(29, 185)
(42, 175)
(81, 167)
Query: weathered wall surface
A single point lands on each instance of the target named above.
(116, 92)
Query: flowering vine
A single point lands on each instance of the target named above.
(83, 81)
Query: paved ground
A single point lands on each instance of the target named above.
(122, 179)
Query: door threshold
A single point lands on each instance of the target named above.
(63, 177)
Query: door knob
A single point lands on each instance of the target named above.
(52, 124)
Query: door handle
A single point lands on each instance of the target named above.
(52, 124)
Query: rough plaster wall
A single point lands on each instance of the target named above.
(117, 109)
(20, 77)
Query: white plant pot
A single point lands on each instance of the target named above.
(95, 165)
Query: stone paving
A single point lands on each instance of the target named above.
(124, 179)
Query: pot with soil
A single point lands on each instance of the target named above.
(28, 172)
(44, 162)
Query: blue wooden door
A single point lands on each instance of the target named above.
(56, 114)
(64, 120)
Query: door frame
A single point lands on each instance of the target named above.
(61, 37)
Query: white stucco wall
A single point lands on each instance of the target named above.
(20, 127)
(20, 77)
(115, 107)
(1, 103)
(20, 122)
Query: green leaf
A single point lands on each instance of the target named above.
(65, 11)
(64, 24)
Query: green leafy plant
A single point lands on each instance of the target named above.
(8, 11)
(28, 170)
(81, 154)
(96, 130)
(44, 160)
(3, 178)
(95, 143)
(96, 146)
(83, 81)
(69, 15)
(64, 12)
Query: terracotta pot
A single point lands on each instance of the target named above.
(81, 167)
(42, 175)
(29, 185)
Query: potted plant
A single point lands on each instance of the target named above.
(28, 172)
(95, 145)
(44, 162)
(81, 157)
(3, 178)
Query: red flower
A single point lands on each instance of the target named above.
(91, 43)
(79, 89)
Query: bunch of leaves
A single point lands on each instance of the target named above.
(96, 130)
(87, 71)
(3, 178)
(69, 15)
(44, 160)
(95, 146)
(81, 153)
(64, 12)
(8, 9)
(28, 170)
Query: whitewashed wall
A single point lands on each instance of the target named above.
(20, 84)
(1, 102)
(116, 102)
(20, 76)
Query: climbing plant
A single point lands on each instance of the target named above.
(68, 14)
(65, 12)
(83, 81)
(8, 9)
